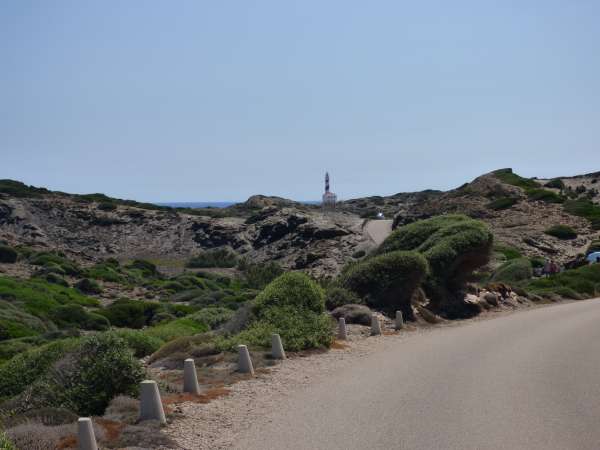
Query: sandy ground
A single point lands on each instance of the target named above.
(378, 230)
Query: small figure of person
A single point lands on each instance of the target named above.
(546, 269)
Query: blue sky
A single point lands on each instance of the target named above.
(199, 100)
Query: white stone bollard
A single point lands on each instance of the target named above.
(85, 434)
(277, 347)
(399, 320)
(375, 326)
(190, 378)
(244, 361)
(151, 407)
(342, 334)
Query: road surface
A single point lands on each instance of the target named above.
(529, 380)
(378, 230)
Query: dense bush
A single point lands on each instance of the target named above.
(257, 276)
(213, 316)
(292, 305)
(77, 316)
(338, 296)
(107, 206)
(502, 203)
(57, 262)
(185, 326)
(561, 232)
(15, 323)
(8, 254)
(18, 189)
(87, 286)
(544, 195)
(387, 281)
(25, 368)
(146, 268)
(454, 246)
(101, 368)
(214, 258)
(583, 280)
(507, 251)
(105, 271)
(555, 183)
(130, 313)
(514, 271)
(140, 342)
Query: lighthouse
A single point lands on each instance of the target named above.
(329, 198)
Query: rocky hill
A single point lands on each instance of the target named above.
(90, 227)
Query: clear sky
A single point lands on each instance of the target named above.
(217, 100)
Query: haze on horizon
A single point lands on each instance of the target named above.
(198, 101)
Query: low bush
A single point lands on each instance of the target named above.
(82, 382)
(214, 258)
(513, 271)
(55, 261)
(185, 326)
(140, 342)
(22, 370)
(544, 195)
(563, 232)
(145, 268)
(78, 316)
(8, 254)
(387, 281)
(359, 254)
(507, 251)
(583, 280)
(107, 206)
(584, 208)
(509, 177)
(125, 313)
(257, 276)
(502, 203)
(106, 272)
(87, 286)
(213, 316)
(555, 183)
(338, 296)
(15, 323)
(18, 189)
(6, 443)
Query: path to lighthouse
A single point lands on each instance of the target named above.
(378, 230)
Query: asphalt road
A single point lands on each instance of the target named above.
(378, 230)
(529, 380)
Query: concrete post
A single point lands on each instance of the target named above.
(151, 407)
(85, 434)
(277, 347)
(244, 361)
(399, 320)
(342, 334)
(375, 326)
(190, 378)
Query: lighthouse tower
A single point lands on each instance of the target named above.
(329, 198)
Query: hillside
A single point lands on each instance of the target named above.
(93, 227)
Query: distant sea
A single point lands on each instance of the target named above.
(216, 204)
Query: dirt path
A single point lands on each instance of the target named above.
(378, 230)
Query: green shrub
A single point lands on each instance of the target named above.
(502, 203)
(514, 271)
(507, 251)
(145, 268)
(125, 313)
(358, 254)
(584, 208)
(507, 176)
(338, 296)
(5, 442)
(8, 254)
(56, 279)
(22, 370)
(101, 368)
(106, 272)
(15, 323)
(214, 258)
(186, 326)
(257, 276)
(561, 232)
(454, 247)
(387, 281)
(87, 286)
(38, 297)
(213, 316)
(18, 189)
(544, 195)
(78, 316)
(582, 280)
(537, 262)
(56, 260)
(555, 183)
(140, 342)
(292, 305)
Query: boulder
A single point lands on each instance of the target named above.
(490, 298)
(353, 313)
